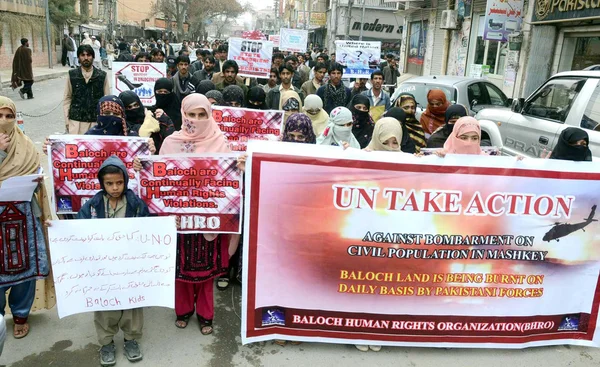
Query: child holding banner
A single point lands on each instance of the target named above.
(116, 201)
(201, 257)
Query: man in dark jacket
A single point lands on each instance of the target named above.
(286, 73)
(22, 70)
(124, 54)
(115, 200)
(334, 93)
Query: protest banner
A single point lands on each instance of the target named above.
(204, 191)
(275, 39)
(502, 18)
(113, 264)
(76, 159)
(138, 77)
(243, 124)
(358, 57)
(293, 40)
(252, 56)
(391, 249)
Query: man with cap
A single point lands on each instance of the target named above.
(171, 66)
(124, 54)
(96, 46)
(85, 86)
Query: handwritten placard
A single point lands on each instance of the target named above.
(113, 264)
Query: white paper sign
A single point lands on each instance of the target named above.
(252, 56)
(360, 58)
(138, 77)
(113, 264)
(293, 40)
(19, 188)
(275, 39)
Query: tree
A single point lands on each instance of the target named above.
(63, 12)
(172, 10)
(220, 11)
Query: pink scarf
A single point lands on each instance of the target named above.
(463, 125)
(196, 136)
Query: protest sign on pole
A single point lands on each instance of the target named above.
(501, 19)
(243, 124)
(113, 264)
(392, 249)
(204, 191)
(293, 40)
(76, 159)
(138, 77)
(275, 39)
(358, 57)
(252, 56)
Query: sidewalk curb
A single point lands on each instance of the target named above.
(39, 78)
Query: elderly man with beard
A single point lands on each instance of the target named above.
(85, 86)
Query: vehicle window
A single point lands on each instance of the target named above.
(554, 100)
(477, 96)
(591, 116)
(497, 98)
(420, 92)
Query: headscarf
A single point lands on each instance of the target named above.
(386, 128)
(204, 86)
(22, 157)
(413, 126)
(196, 136)
(335, 133)
(299, 122)
(109, 125)
(363, 124)
(290, 100)
(169, 103)
(233, 93)
(135, 116)
(217, 96)
(464, 125)
(564, 149)
(407, 145)
(319, 121)
(257, 95)
(434, 117)
(454, 110)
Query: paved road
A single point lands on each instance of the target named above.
(71, 342)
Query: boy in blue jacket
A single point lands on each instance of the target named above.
(116, 201)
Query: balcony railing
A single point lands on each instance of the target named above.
(371, 4)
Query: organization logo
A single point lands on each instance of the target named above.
(542, 8)
(569, 323)
(273, 316)
(64, 204)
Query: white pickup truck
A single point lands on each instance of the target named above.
(534, 124)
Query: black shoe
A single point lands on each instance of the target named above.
(132, 351)
(108, 355)
(127, 82)
(21, 93)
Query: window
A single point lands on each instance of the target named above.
(496, 97)
(420, 92)
(476, 95)
(554, 100)
(491, 53)
(416, 47)
(591, 116)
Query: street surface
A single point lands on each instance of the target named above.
(71, 342)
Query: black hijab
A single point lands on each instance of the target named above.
(169, 103)
(257, 98)
(135, 116)
(407, 145)
(363, 124)
(565, 150)
(454, 110)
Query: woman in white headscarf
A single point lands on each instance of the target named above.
(313, 108)
(339, 129)
(387, 136)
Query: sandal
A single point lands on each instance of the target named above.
(205, 325)
(20, 330)
(182, 321)
(279, 342)
(222, 283)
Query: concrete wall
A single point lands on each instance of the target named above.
(539, 63)
(134, 10)
(37, 44)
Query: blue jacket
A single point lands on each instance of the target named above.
(384, 101)
(95, 207)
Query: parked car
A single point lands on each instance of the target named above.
(475, 94)
(534, 124)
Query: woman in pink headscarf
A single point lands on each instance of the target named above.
(200, 257)
(465, 138)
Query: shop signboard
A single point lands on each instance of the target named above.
(547, 11)
(502, 17)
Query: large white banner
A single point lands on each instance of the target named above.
(113, 264)
(252, 56)
(358, 57)
(138, 77)
(293, 40)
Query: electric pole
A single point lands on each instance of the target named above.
(362, 21)
(48, 41)
(349, 18)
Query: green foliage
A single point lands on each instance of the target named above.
(63, 12)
